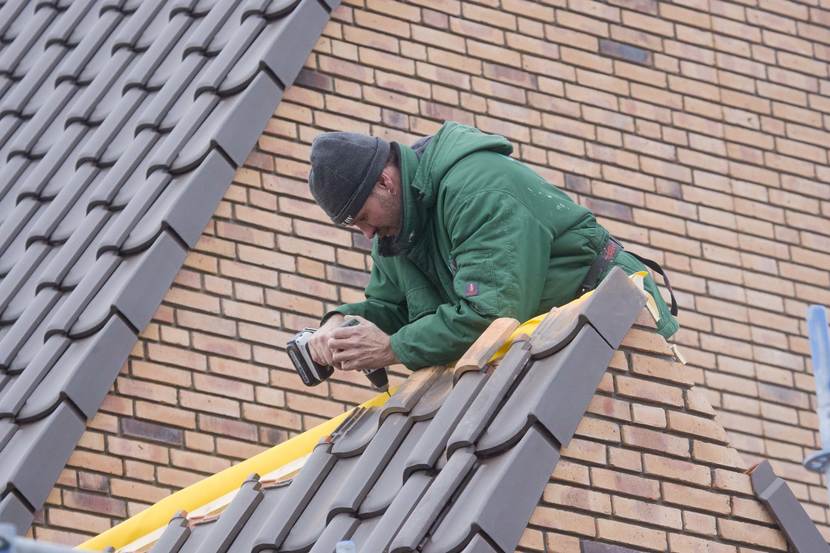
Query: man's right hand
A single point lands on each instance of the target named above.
(318, 345)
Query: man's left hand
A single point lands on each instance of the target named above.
(363, 346)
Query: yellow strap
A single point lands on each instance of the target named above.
(213, 487)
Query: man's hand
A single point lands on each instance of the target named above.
(363, 346)
(318, 344)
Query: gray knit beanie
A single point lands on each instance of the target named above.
(344, 169)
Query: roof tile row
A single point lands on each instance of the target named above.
(121, 125)
(455, 461)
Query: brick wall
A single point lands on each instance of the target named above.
(696, 131)
(650, 467)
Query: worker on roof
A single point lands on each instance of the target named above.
(461, 234)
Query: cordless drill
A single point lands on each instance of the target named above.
(313, 373)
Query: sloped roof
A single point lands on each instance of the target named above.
(455, 461)
(121, 125)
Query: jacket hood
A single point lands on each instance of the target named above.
(452, 143)
(423, 166)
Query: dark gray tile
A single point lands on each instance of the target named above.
(13, 241)
(130, 32)
(479, 545)
(316, 514)
(20, 281)
(225, 530)
(432, 400)
(360, 432)
(129, 291)
(67, 203)
(7, 429)
(289, 30)
(64, 317)
(500, 496)
(397, 512)
(299, 494)
(372, 463)
(17, 394)
(106, 350)
(410, 392)
(74, 259)
(34, 457)
(429, 448)
(486, 403)
(14, 512)
(13, 13)
(363, 531)
(209, 36)
(611, 309)
(384, 488)
(186, 205)
(434, 501)
(234, 125)
(142, 74)
(554, 393)
(174, 536)
(24, 328)
(338, 529)
(272, 496)
(792, 519)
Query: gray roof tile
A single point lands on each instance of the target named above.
(111, 165)
(776, 495)
(384, 489)
(500, 496)
(337, 530)
(391, 480)
(433, 502)
(44, 440)
(174, 536)
(15, 512)
(397, 513)
(479, 545)
(550, 394)
(478, 416)
(374, 460)
(299, 494)
(315, 515)
(432, 444)
(106, 351)
(222, 534)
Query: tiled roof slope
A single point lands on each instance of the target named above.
(650, 468)
(455, 461)
(121, 126)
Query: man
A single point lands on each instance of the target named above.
(462, 234)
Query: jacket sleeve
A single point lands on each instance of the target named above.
(385, 303)
(501, 254)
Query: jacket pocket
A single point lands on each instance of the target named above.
(421, 301)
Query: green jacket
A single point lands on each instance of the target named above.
(483, 236)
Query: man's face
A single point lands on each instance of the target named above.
(381, 214)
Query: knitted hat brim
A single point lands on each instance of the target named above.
(355, 203)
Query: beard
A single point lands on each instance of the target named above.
(390, 246)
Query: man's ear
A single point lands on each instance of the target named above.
(385, 181)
